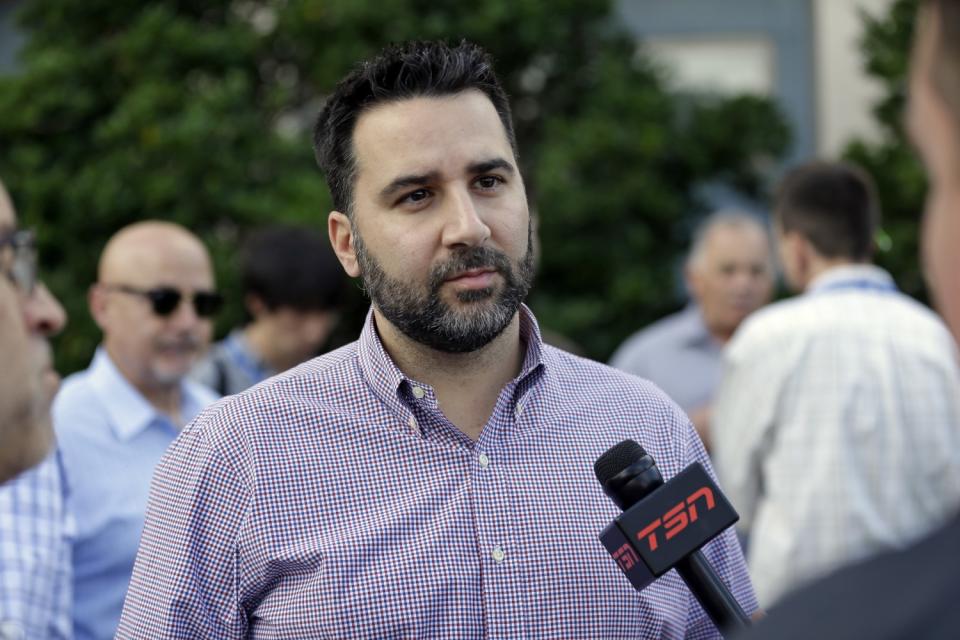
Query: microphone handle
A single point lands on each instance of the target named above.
(712, 593)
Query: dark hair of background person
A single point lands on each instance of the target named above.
(400, 72)
(292, 267)
(945, 69)
(832, 205)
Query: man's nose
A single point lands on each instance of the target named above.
(465, 224)
(185, 315)
(43, 313)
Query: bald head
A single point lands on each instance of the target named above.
(153, 346)
(144, 251)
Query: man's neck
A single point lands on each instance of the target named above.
(166, 400)
(467, 385)
(258, 339)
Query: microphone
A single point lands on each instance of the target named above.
(662, 524)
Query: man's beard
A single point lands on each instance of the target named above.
(425, 318)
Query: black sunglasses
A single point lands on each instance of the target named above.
(165, 300)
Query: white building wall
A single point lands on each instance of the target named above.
(844, 93)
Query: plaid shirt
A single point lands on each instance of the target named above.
(35, 531)
(336, 500)
(837, 428)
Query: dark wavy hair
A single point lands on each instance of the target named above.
(399, 72)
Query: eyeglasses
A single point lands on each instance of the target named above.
(165, 300)
(22, 268)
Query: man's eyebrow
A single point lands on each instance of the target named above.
(412, 180)
(421, 179)
(489, 165)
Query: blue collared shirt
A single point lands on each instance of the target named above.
(35, 531)
(337, 501)
(678, 354)
(110, 439)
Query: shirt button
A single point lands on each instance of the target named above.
(412, 422)
(498, 554)
(419, 392)
(519, 408)
(483, 460)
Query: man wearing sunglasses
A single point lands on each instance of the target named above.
(153, 300)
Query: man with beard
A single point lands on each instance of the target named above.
(433, 478)
(153, 300)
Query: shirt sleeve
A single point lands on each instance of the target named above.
(35, 555)
(185, 580)
(724, 554)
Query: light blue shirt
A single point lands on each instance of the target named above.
(110, 440)
(678, 354)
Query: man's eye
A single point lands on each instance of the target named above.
(416, 196)
(489, 182)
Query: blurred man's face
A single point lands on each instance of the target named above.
(732, 276)
(153, 350)
(441, 230)
(27, 379)
(936, 135)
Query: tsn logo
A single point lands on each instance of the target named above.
(677, 518)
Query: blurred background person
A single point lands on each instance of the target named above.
(153, 300)
(292, 288)
(910, 593)
(34, 561)
(729, 274)
(825, 395)
(29, 315)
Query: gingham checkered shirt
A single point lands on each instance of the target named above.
(35, 532)
(337, 501)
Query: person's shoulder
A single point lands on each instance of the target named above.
(317, 387)
(661, 335)
(769, 326)
(617, 402)
(605, 384)
(897, 594)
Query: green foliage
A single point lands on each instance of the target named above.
(900, 180)
(200, 113)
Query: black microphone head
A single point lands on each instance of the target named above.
(616, 459)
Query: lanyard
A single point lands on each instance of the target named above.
(861, 285)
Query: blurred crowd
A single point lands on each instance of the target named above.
(831, 416)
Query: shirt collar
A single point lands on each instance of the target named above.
(128, 411)
(386, 380)
(851, 273)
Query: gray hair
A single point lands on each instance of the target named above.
(730, 218)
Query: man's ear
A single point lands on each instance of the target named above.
(693, 280)
(97, 302)
(341, 238)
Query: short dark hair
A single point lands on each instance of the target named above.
(291, 267)
(399, 72)
(833, 205)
